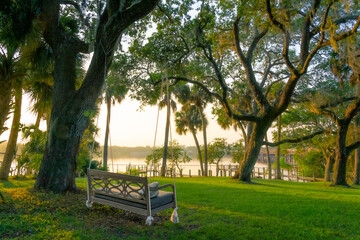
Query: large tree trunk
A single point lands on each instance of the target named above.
(107, 129)
(67, 125)
(357, 155)
(340, 156)
(11, 145)
(199, 150)
(328, 168)
(71, 108)
(278, 173)
(268, 157)
(166, 141)
(252, 150)
(357, 167)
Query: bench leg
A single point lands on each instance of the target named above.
(88, 204)
(149, 220)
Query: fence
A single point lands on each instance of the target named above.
(227, 170)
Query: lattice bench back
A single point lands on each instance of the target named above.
(128, 187)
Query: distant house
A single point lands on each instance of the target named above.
(288, 157)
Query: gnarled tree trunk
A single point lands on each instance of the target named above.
(278, 173)
(341, 156)
(357, 156)
(253, 149)
(328, 168)
(11, 144)
(268, 158)
(357, 167)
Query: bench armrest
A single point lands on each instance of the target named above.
(161, 187)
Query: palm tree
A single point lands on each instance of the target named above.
(170, 105)
(10, 151)
(189, 119)
(200, 99)
(41, 80)
(116, 88)
(182, 92)
(112, 95)
(10, 70)
(40, 93)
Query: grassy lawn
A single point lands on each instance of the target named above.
(209, 208)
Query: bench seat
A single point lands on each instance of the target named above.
(162, 199)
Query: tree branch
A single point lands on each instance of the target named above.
(352, 109)
(306, 36)
(327, 113)
(259, 97)
(224, 102)
(254, 43)
(337, 22)
(352, 147)
(165, 13)
(287, 39)
(321, 42)
(293, 140)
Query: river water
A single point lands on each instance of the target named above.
(192, 167)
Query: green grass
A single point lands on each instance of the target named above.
(209, 208)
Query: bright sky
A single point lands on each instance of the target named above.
(131, 127)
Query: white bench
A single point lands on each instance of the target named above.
(129, 193)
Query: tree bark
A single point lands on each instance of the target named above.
(107, 129)
(205, 141)
(278, 173)
(5, 99)
(199, 150)
(328, 168)
(268, 157)
(38, 119)
(357, 155)
(340, 156)
(166, 141)
(253, 149)
(11, 144)
(67, 125)
(357, 167)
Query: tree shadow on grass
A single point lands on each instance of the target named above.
(319, 189)
(6, 184)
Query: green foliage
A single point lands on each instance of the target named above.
(154, 158)
(176, 155)
(237, 151)
(16, 20)
(283, 164)
(217, 149)
(33, 150)
(310, 163)
(88, 149)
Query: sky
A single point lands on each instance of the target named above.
(131, 127)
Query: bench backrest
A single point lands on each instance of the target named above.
(122, 186)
